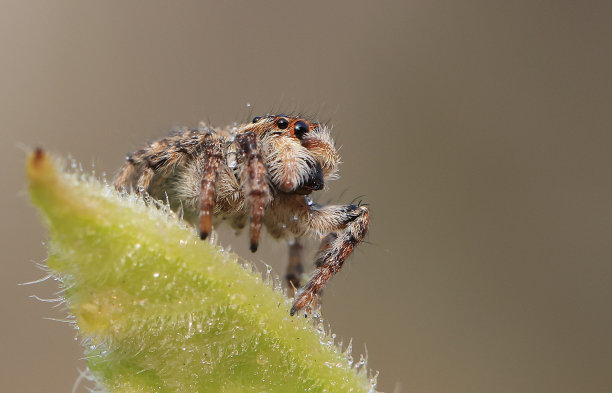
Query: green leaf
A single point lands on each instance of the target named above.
(161, 311)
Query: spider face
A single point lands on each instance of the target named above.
(286, 125)
(299, 155)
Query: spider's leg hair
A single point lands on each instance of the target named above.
(258, 191)
(212, 157)
(145, 180)
(128, 171)
(346, 227)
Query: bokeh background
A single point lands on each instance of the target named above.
(478, 131)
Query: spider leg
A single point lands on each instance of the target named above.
(213, 156)
(128, 171)
(258, 191)
(295, 269)
(325, 244)
(347, 226)
(144, 180)
(159, 158)
(132, 176)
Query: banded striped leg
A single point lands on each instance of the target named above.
(144, 180)
(127, 173)
(258, 192)
(213, 156)
(348, 226)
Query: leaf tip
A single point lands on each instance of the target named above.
(39, 166)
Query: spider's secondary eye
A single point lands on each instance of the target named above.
(282, 123)
(300, 129)
(256, 119)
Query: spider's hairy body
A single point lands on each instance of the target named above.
(259, 173)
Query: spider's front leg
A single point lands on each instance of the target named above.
(345, 226)
(257, 187)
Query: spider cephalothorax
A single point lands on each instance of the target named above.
(298, 155)
(260, 172)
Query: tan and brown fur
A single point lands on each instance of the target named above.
(261, 173)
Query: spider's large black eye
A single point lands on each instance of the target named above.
(256, 119)
(282, 123)
(300, 129)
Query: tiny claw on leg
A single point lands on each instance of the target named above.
(205, 224)
(302, 301)
(311, 290)
(256, 220)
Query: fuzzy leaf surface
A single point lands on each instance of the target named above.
(161, 311)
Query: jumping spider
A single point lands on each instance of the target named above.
(264, 171)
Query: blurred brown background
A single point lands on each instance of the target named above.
(478, 131)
